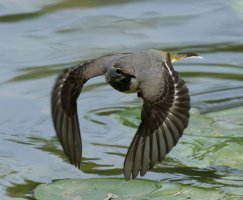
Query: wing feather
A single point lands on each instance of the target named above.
(163, 120)
(65, 93)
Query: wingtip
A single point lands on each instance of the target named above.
(78, 165)
(127, 172)
(127, 176)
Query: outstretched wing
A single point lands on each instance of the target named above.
(64, 107)
(163, 120)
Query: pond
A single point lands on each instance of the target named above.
(39, 38)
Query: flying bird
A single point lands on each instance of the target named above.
(164, 115)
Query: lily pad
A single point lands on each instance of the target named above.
(120, 189)
(77, 189)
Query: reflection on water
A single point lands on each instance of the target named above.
(40, 38)
(22, 190)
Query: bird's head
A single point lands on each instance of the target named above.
(121, 76)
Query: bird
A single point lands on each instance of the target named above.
(150, 74)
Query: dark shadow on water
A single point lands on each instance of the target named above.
(215, 75)
(89, 167)
(201, 177)
(110, 145)
(37, 72)
(213, 106)
(68, 4)
(208, 48)
(40, 72)
(24, 190)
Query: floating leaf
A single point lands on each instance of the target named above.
(77, 189)
(120, 189)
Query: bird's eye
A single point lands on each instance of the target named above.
(119, 71)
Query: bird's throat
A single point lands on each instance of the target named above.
(133, 86)
(126, 85)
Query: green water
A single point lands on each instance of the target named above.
(39, 37)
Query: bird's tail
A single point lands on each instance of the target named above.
(179, 56)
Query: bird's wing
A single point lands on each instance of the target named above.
(64, 107)
(163, 120)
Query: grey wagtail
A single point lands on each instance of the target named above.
(164, 115)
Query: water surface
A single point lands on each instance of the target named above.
(39, 38)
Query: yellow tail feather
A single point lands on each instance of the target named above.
(179, 56)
